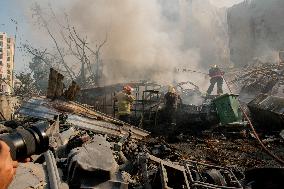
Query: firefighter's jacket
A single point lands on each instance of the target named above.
(124, 102)
(215, 73)
(171, 100)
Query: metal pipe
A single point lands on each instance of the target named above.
(53, 174)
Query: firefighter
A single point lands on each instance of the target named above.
(124, 101)
(216, 76)
(171, 99)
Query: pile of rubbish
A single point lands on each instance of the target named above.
(92, 150)
(89, 149)
(255, 79)
(213, 146)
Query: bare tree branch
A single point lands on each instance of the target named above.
(39, 14)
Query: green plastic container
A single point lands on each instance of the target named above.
(228, 108)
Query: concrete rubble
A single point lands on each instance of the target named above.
(91, 149)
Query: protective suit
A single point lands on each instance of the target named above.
(171, 99)
(124, 101)
(216, 76)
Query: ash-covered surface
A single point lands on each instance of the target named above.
(243, 154)
(257, 78)
(193, 149)
(138, 162)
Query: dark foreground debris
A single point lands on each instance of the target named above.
(90, 149)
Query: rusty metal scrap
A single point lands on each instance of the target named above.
(185, 174)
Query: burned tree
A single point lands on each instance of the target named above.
(71, 54)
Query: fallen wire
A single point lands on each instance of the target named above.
(279, 160)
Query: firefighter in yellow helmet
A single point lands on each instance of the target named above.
(124, 101)
(171, 100)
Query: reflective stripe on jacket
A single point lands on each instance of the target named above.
(124, 102)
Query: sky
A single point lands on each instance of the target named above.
(9, 11)
(12, 9)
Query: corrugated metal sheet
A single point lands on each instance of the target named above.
(79, 116)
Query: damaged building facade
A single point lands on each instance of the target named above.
(255, 31)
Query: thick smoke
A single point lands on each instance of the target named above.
(143, 43)
(147, 40)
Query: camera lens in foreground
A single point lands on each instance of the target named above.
(26, 142)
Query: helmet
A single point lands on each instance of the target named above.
(127, 88)
(171, 89)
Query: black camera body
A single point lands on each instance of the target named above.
(26, 142)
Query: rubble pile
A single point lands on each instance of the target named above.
(209, 145)
(258, 78)
(86, 144)
(242, 153)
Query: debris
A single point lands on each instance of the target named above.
(265, 78)
(96, 150)
(282, 134)
(92, 165)
(56, 87)
(29, 175)
(78, 116)
(72, 91)
(268, 112)
(55, 84)
(271, 178)
(205, 175)
(4, 129)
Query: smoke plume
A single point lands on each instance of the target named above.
(149, 39)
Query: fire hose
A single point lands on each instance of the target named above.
(279, 160)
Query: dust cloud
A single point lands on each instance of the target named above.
(149, 39)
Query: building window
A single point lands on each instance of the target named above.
(8, 40)
(8, 65)
(9, 72)
(8, 46)
(1, 62)
(1, 36)
(8, 59)
(1, 43)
